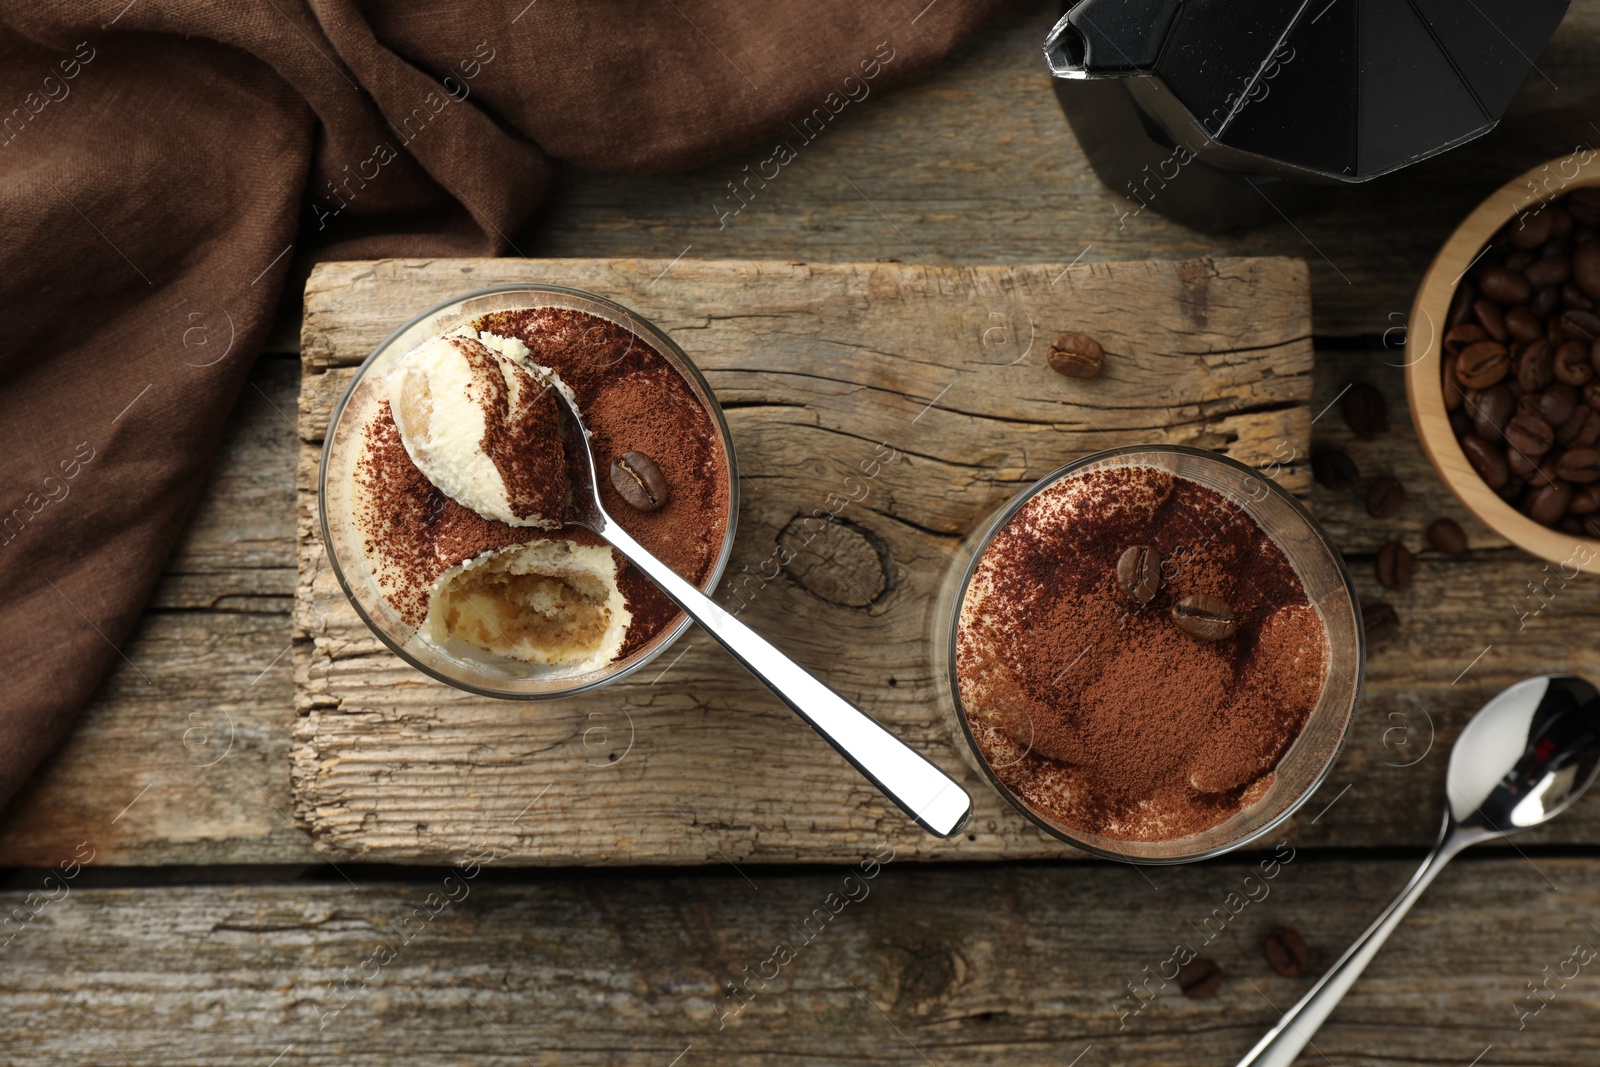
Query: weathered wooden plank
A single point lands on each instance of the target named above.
(191, 727)
(818, 363)
(1011, 965)
(975, 163)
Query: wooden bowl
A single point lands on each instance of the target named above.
(1424, 336)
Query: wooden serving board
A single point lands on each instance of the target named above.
(932, 381)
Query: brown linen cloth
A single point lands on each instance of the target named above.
(168, 165)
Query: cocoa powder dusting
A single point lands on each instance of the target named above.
(631, 399)
(1100, 713)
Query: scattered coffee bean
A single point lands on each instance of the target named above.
(1483, 364)
(1200, 978)
(639, 481)
(1447, 536)
(1139, 573)
(1209, 618)
(1077, 355)
(1385, 497)
(1530, 435)
(1365, 411)
(1333, 469)
(1395, 564)
(1380, 621)
(1287, 952)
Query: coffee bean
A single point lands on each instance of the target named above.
(1491, 318)
(1394, 566)
(1459, 337)
(1550, 272)
(1483, 364)
(1582, 427)
(639, 481)
(1460, 423)
(1139, 573)
(1545, 300)
(1491, 409)
(1523, 325)
(1366, 411)
(1461, 306)
(1585, 500)
(1486, 459)
(1077, 355)
(1580, 465)
(1512, 488)
(1591, 394)
(1447, 536)
(1523, 465)
(1581, 325)
(1586, 269)
(1287, 952)
(1380, 622)
(1571, 362)
(1333, 469)
(1548, 503)
(1200, 978)
(1531, 228)
(1207, 617)
(1385, 497)
(1556, 404)
(1504, 286)
(1453, 392)
(1530, 435)
(1535, 367)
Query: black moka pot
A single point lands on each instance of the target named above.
(1222, 114)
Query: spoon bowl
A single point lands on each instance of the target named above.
(1523, 759)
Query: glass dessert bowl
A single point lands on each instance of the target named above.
(440, 501)
(1153, 653)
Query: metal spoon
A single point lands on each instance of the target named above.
(1521, 761)
(931, 797)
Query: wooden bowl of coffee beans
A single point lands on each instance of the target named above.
(1503, 362)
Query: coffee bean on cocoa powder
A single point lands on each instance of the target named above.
(1139, 573)
(1385, 497)
(1447, 536)
(1199, 979)
(1483, 364)
(639, 481)
(1394, 566)
(1380, 622)
(1210, 618)
(1077, 355)
(1521, 364)
(1334, 469)
(1287, 952)
(1366, 412)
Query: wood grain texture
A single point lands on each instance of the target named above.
(818, 365)
(1015, 965)
(975, 163)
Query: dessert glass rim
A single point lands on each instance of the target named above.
(984, 536)
(621, 316)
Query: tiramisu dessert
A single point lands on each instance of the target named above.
(1135, 654)
(459, 489)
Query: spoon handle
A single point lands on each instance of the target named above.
(1293, 1033)
(931, 797)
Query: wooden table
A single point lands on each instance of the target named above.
(207, 928)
